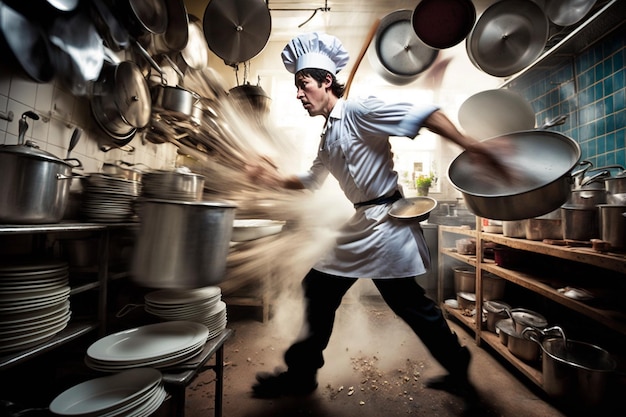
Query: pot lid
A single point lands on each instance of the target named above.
(132, 94)
(399, 49)
(442, 24)
(528, 318)
(567, 12)
(508, 36)
(495, 112)
(237, 30)
(31, 150)
(413, 208)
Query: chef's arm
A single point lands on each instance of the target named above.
(440, 124)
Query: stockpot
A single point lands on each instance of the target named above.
(182, 244)
(577, 372)
(35, 185)
(615, 189)
(541, 160)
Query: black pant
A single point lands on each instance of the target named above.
(323, 294)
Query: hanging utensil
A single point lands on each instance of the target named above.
(176, 34)
(77, 52)
(27, 43)
(196, 53)
(442, 24)
(397, 54)
(23, 125)
(567, 12)
(508, 36)
(237, 30)
(113, 33)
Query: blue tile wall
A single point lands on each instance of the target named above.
(590, 89)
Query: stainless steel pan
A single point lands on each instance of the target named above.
(508, 36)
(542, 161)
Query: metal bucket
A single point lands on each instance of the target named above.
(182, 244)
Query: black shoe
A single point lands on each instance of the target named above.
(283, 384)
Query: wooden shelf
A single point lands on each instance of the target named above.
(612, 261)
(533, 281)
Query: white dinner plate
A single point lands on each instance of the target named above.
(183, 297)
(101, 395)
(18, 319)
(148, 342)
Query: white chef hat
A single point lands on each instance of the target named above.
(315, 50)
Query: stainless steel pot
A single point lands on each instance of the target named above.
(613, 225)
(493, 287)
(496, 311)
(615, 190)
(464, 279)
(567, 12)
(35, 185)
(587, 198)
(544, 160)
(517, 344)
(523, 318)
(173, 185)
(579, 223)
(182, 244)
(576, 372)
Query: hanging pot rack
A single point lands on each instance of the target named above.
(314, 10)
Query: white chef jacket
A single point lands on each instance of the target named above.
(355, 149)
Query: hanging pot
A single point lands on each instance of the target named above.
(26, 42)
(121, 101)
(546, 158)
(495, 112)
(196, 53)
(397, 54)
(176, 34)
(77, 52)
(567, 12)
(507, 37)
(142, 17)
(113, 33)
(237, 30)
(442, 24)
(253, 96)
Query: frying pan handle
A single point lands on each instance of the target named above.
(151, 61)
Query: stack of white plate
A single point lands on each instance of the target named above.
(160, 345)
(34, 303)
(134, 392)
(200, 305)
(108, 198)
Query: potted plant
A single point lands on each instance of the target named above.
(423, 183)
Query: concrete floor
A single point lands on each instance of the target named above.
(375, 366)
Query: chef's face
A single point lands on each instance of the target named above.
(314, 96)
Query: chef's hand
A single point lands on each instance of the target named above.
(264, 172)
(491, 157)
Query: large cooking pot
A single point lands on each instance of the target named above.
(580, 223)
(507, 37)
(615, 189)
(542, 160)
(613, 225)
(182, 244)
(396, 53)
(576, 372)
(35, 185)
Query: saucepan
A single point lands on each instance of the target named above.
(541, 161)
(442, 24)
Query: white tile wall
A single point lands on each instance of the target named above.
(60, 112)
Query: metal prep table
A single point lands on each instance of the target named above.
(176, 381)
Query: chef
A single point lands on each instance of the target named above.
(354, 148)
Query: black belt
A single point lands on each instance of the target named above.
(380, 200)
